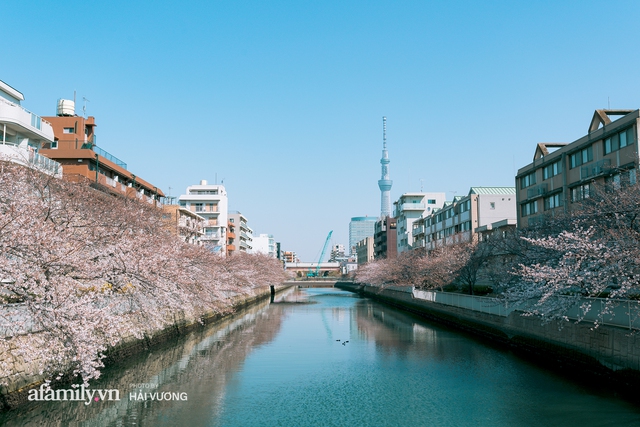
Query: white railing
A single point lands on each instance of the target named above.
(469, 302)
(28, 157)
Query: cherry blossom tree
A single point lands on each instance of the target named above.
(90, 270)
(593, 251)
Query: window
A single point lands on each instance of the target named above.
(492, 205)
(580, 192)
(552, 170)
(581, 157)
(431, 201)
(552, 202)
(626, 137)
(613, 181)
(198, 207)
(529, 208)
(68, 130)
(54, 144)
(618, 141)
(528, 180)
(465, 206)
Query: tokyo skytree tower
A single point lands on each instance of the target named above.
(384, 183)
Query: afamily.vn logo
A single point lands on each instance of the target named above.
(79, 394)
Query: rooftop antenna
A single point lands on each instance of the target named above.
(84, 106)
(421, 184)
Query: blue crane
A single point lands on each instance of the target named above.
(313, 273)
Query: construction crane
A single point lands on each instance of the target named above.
(313, 273)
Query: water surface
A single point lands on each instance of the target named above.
(289, 364)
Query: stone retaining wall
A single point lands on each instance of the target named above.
(607, 351)
(24, 377)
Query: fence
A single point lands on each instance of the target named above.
(619, 313)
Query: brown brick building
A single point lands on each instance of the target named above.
(74, 147)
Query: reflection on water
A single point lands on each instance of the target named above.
(328, 357)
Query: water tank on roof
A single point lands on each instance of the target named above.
(66, 107)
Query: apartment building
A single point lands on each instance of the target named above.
(364, 250)
(243, 233)
(23, 134)
(187, 225)
(458, 221)
(74, 146)
(409, 208)
(265, 244)
(290, 257)
(563, 174)
(385, 238)
(210, 202)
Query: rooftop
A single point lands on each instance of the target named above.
(493, 190)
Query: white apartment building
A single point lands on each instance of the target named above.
(210, 202)
(409, 208)
(265, 244)
(463, 218)
(23, 133)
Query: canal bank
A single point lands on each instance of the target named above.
(607, 353)
(321, 356)
(15, 391)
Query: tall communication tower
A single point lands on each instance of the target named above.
(384, 183)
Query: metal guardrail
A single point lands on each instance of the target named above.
(109, 156)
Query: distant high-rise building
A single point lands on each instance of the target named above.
(384, 183)
(360, 228)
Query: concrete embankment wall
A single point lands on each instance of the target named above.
(610, 352)
(23, 376)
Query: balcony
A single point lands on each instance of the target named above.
(28, 157)
(32, 125)
(412, 207)
(210, 237)
(600, 167)
(110, 157)
(417, 231)
(537, 191)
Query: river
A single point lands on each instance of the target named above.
(326, 357)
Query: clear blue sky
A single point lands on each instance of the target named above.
(284, 100)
